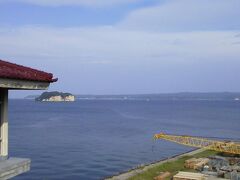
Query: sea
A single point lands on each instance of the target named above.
(94, 139)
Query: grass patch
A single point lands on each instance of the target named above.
(172, 167)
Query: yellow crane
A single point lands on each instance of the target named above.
(221, 146)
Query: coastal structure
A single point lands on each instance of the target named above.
(189, 176)
(16, 77)
(219, 167)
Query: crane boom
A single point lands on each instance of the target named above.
(221, 146)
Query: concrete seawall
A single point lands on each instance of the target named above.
(141, 169)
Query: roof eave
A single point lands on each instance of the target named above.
(23, 84)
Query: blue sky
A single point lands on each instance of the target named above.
(69, 15)
(125, 46)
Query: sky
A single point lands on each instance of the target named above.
(125, 46)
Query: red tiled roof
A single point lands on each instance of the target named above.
(14, 71)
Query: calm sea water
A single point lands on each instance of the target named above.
(93, 139)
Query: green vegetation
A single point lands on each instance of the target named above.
(47, 95)
(172, 167)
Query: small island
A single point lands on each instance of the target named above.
(56, 96)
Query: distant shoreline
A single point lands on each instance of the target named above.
(218, 96)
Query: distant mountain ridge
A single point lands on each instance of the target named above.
(166, 96)
(160, 96)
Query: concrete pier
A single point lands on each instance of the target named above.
(13, 166)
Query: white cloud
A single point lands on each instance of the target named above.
(111, 45)
(139, 37)
(185, 15)
(107, 60)
(91, 3)
(160, 44)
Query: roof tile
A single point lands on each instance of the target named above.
(14, 71)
